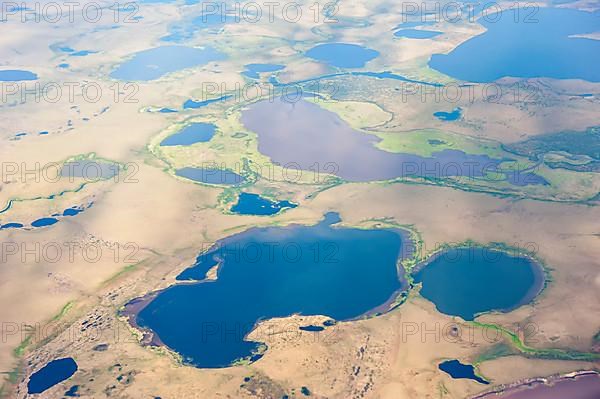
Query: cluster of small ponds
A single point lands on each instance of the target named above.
(46, 221)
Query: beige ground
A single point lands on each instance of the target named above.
(159, 223)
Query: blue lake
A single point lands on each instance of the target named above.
(254, 70)
(155, 62)
(198, 132)
(342, 55)
(269, 272)
(51, 374)
(467, 281)
(541, 46)
(193, 104)
(14, 75)
(254, 204)
(211, 176)
(458, 370)
(292, 134)
(448, 116)
(11, 226)
(417, 33)
(43, 222)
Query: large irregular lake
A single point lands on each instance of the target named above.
(270, 272)
(211, 175)
(540, 44)
(467, 281)
(342, 55)
(155, 62)
(303, 134)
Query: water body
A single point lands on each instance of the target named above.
(458, 370)
(83, 53)
(540, 46)
(15, 75)
(11, 226)
(43, 222)
(414, 24)
(448, 116)
(192, 104)
(274, 272)
(417, 33)
(254, 204)
(198, 132)
(73, 211)
(89, 170)
(304, 134)
(585, 385)
(211, 176)
(342, 55)
(254, 70)
(51, 374)
(468, 281)
(156, 62)
(311, 328)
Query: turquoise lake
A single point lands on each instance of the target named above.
(211, 176)
(198, 132)
(541, 46)
(156, 62)
(417, 33)
(254, 204)
(342, 55)
(15, 75)
(468, 281)
(271, 272)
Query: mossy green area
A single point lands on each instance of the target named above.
(523, 349)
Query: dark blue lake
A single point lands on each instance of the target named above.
(342, 55)
(275, 272)
(155, 62)
(211, 176)
(51, 374)
(14, 75)
(417, 33)
(292, 133)
(448, 116)
(458, 370)
(467, 281)
(539, 45)
(254, 204)
(11, 226)
(198, 132)
(253, 70)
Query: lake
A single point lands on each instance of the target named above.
(458, 370)
(416, 33)
(448, 116)
(584, 385)
(211, 176)
(15, 75)
(197, 132)
(254, 204)
(156, 62)
(51, 374)
(269, 272)
(540, 44)
(254, 70)
(193, 104)
(472, 280)
(304, 135)
(342, 55)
